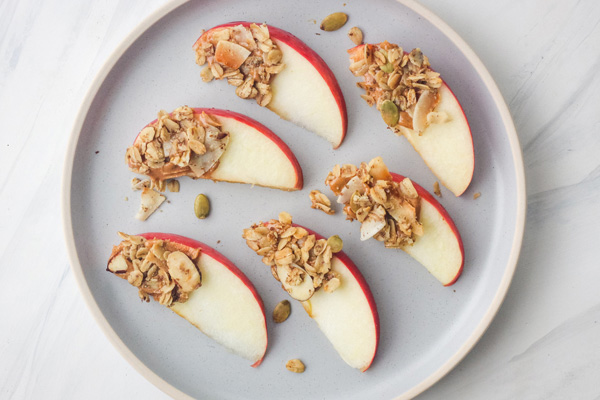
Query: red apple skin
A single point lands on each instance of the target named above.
(209, 251)
(362, 283)
(312, 57)
(425, 195)
(259, 127)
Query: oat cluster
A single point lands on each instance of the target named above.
(320, 202)
(387, 210)
(246, 56)
(164, 270)
(293, 248)
(391, 74)
(177, 144)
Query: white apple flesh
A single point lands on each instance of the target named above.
(348, 316)
(440, 249)
(446, 147)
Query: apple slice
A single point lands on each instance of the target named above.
(222, 302)
(304, 92)
(331, 288)
(400, 213)
(440, 249)
(447, 146)
(425, 110)
(250, 152)
(348, 316)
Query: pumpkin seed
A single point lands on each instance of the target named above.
(201, 206)
(336, 243)
(282, 311)
(356, 35)
(389, 113)
(387, 68)
(333, 22)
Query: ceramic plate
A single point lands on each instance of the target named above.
(425, 328)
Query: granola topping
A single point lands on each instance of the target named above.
(320, 202)
(401, 85)
(177, 144)
(387, 210)
(161, 269)
(296, 257)
(245, 56)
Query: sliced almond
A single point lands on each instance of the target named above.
(302, 291)
(118, 264)
(183, 271)
(424, 106)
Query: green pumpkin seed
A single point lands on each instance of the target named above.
(387, 68)
(282, 311)
(201, 206)
(389, 113)
(334, 21)
(336, 243)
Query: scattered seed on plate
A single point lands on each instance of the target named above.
(282, 311)
(201, 206)
(333, 22)
(356, 35)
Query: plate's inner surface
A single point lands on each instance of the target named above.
(422, 323)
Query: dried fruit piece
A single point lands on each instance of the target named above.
(201, 206)
(295, 365)
(333, 22)
(282, 311)
(356, 35)
(389, 113)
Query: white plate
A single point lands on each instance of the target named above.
(426, 328)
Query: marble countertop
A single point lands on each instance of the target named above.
(544, 342)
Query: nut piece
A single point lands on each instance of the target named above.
(356, 35)
(333, 22)
(282, 311)
(320, 202)
(336, 243)
(183, 271)
(389, 113)
(295, 365)
(201, 206)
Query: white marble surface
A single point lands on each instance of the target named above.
(545, 340)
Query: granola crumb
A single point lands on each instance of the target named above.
(296, 366)
(321, 202)
(436, 189)
(476, 196)
(356, 35)
(126, 198)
